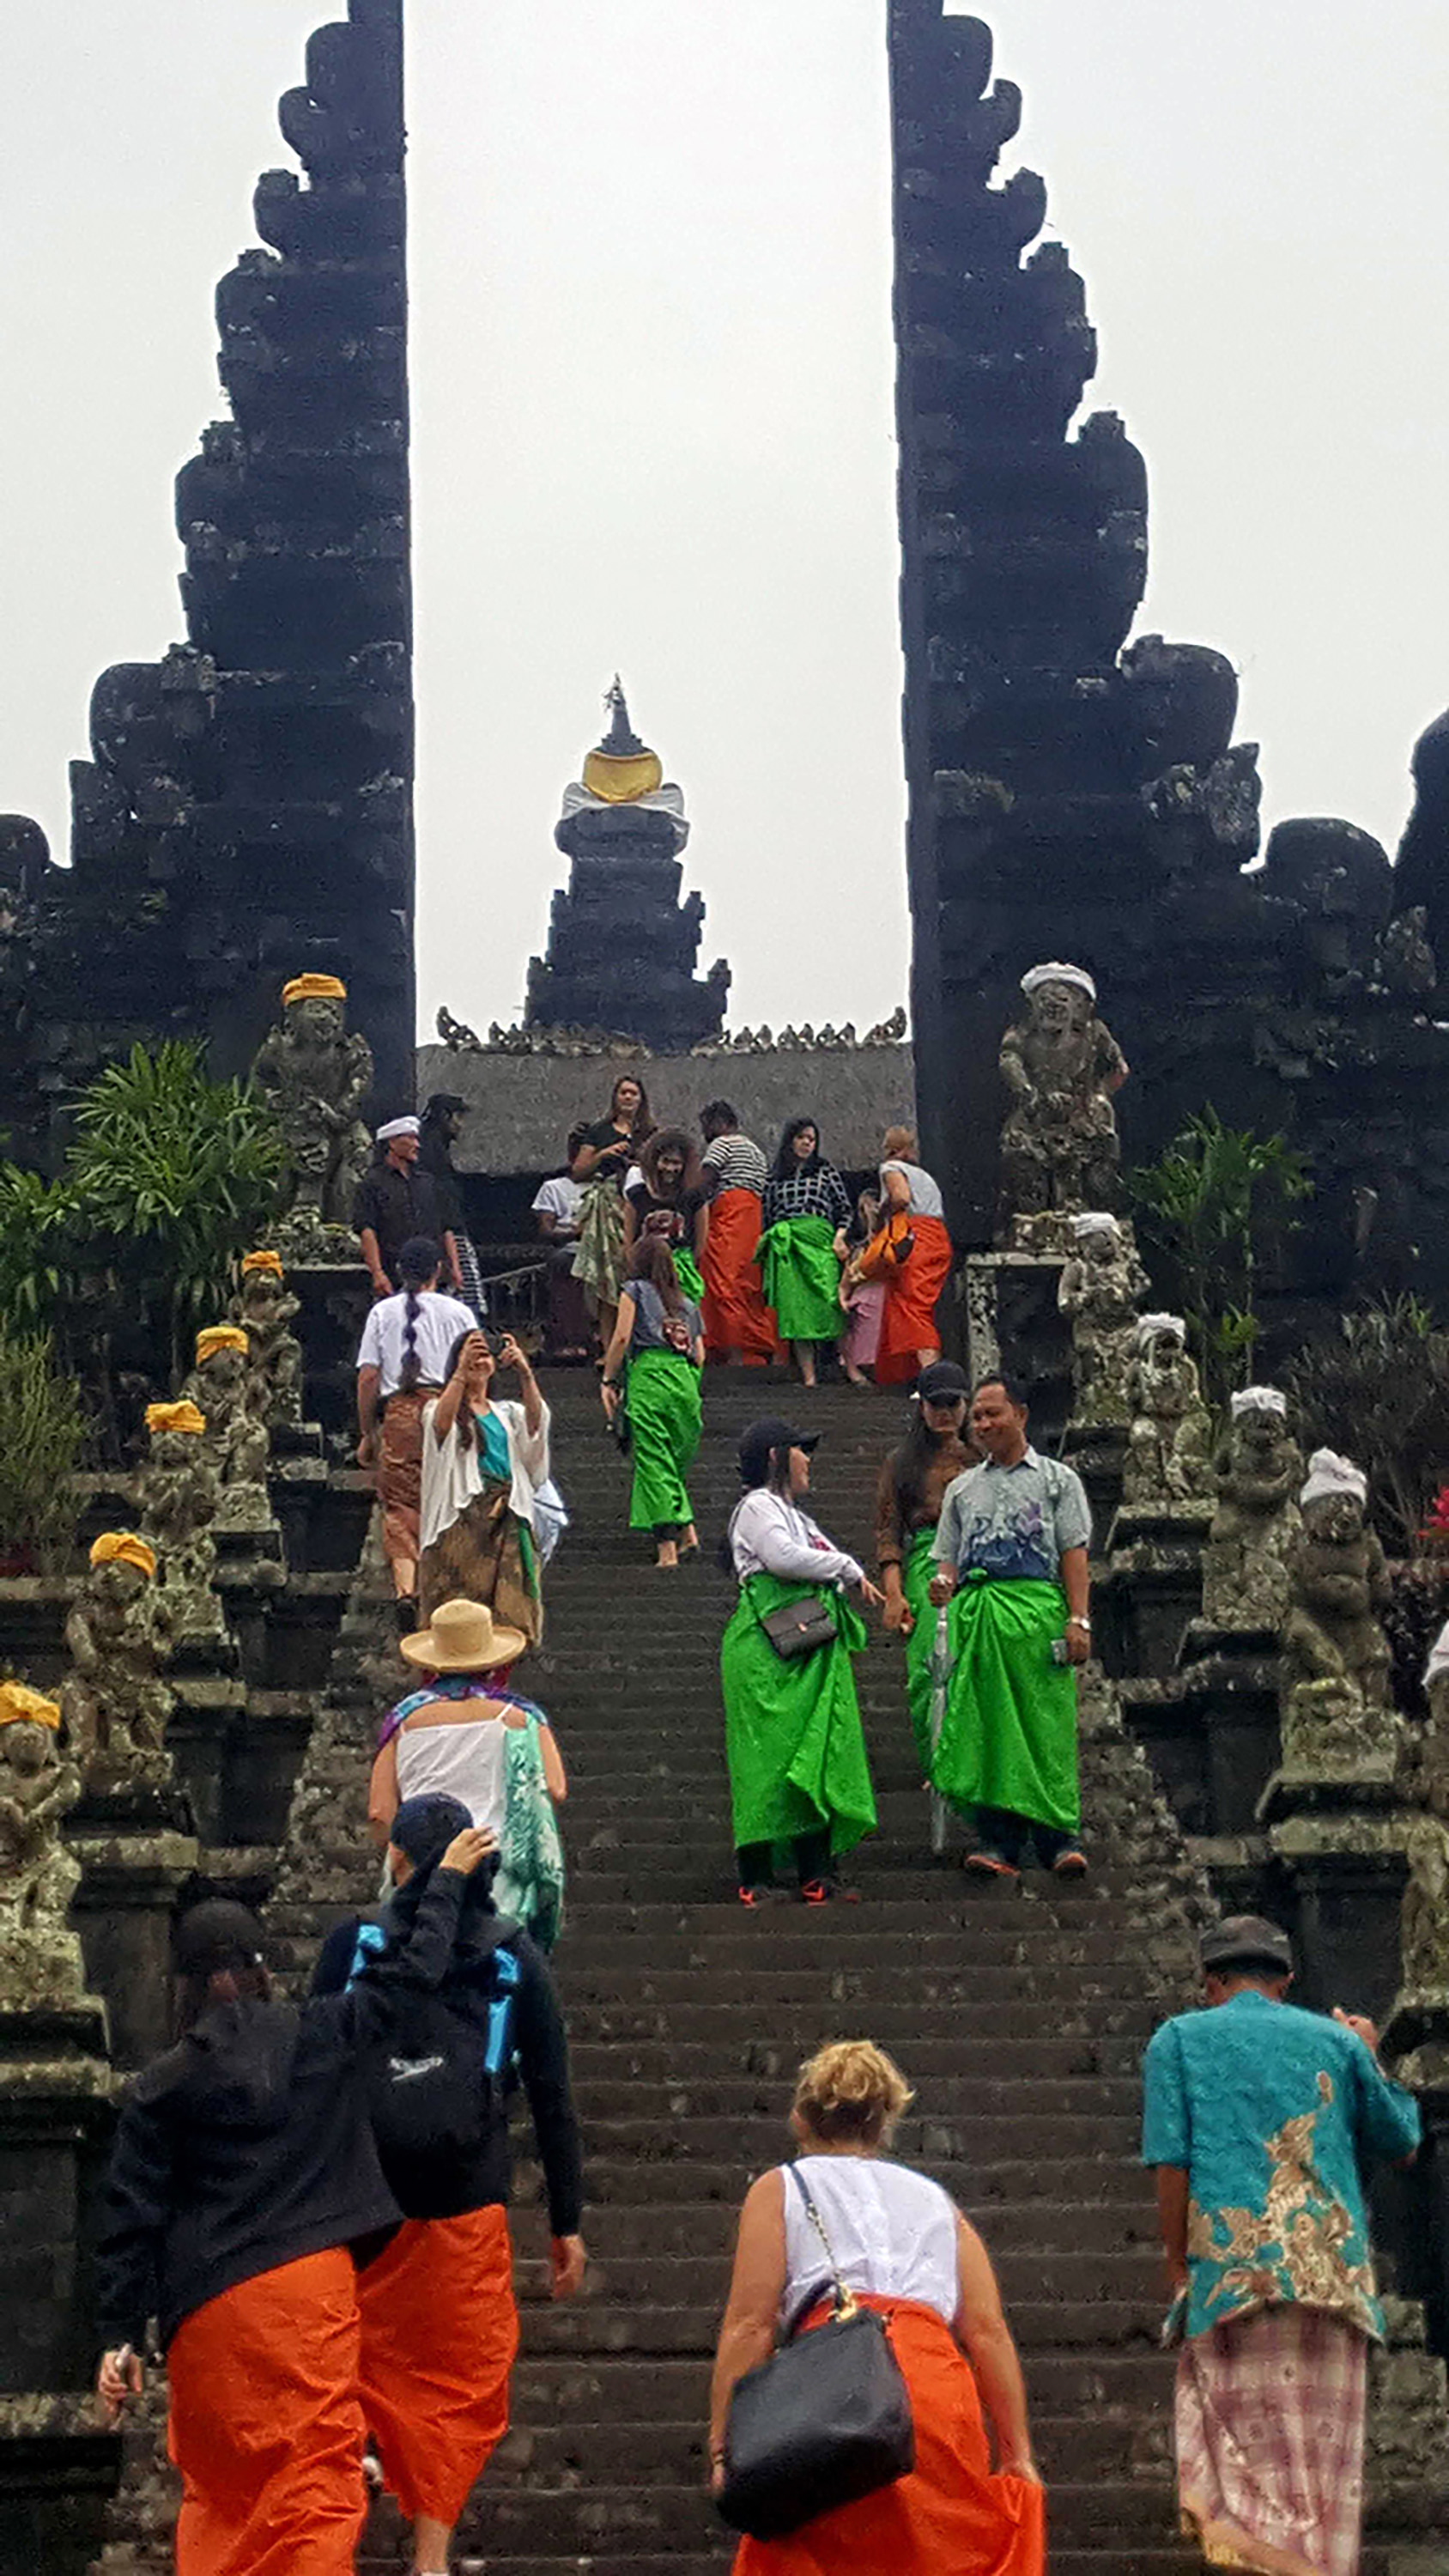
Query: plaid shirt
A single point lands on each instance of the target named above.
(818, 1193)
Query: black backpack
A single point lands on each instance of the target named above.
(437, 2068)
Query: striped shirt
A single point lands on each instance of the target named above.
(737, 1163)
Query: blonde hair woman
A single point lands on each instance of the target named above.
(904, 2249)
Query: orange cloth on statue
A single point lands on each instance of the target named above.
(266, 2424)
(908, 1325)
(950, 2517)
(736, 1317)
(439, 2333)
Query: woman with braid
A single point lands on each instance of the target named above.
(401, 1365)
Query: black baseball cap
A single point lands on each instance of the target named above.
(941, 1381)
(217, 1937)
(772, 1432)
(423, 1827)
(1247, 1941)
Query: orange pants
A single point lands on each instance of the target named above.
(736, 1317)
(439, 2333)
(950, 2517)
(908, 1325)
(266, 2425)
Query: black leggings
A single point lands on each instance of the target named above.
(755, 1861)
(1010, 1834)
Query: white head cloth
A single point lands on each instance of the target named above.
(1149, 1326)
(1057, 973)
(398, 1127)
(1329, 1474)
(1093, 1221)
(1259, 1399)
(1438, 1662)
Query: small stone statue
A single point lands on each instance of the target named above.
(1169, 1448)
(264, 1306)
(179, 1491)
(316, 1077)
(40, 1959)
(113, 1701)
(1432, 1785)
(221, 1387)
(1061, 1065)
(1256, 1473)
(1424, 1918)
(1406, 964)
(1339, 1582)
(1099, 1289)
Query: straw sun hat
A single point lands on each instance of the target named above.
(463, 1638)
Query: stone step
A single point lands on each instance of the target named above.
(628, 2182)
(677, 2061)
(626, 2233)
(1052, 2325)
(610, 2389)
(757, 2142)
(603, 2098)
(583, 2453)
(654, 2276)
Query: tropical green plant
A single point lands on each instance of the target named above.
(41, 1429)
(1214, 1203)
(1378, 1389)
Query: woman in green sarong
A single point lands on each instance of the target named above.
(909, 1493)
(660, 1335)
(797, 1763)
(807, 1209)
(669, 1199)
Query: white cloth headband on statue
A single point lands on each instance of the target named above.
(1093, 1221)
(1438, 1657)
(1057, 973)
(397, 1127)
(1329, 1474)
(1149, 1326)
(1259, 1399)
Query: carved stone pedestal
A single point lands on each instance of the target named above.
(1343, 1874)
(1154, 1581)
(1227, 1690)
(1014, 1321)
(55, 2110)
(334, 1297)
(136, 1849)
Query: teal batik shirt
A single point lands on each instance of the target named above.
(1271, 2112)
(1014, 1522)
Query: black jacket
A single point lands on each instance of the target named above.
(248, 2145)
(445, 2185)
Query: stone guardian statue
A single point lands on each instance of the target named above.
(113, 1701)
(179, 1492)
(1335, 1676)
(222, 1388)
(1256, 1475)
(316, 1074)
(1099, 1289)
(1062, 1067)
(40, 1957)
(1169, 1445)
(263, 1307)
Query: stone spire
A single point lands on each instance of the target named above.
(622, 948)
(246, 813)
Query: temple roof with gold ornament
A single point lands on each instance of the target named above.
(623, 771)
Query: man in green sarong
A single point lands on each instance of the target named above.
(1011, 1558)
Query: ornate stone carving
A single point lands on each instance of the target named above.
(263, 1307)
(316, 1075)
(1099, 1289)
(1059, 1150)
(222, 1387)
(1256, 1475)
(114, 1702)
(40, 1959)
(179, 1491)
(1338, 1582)
(1169, 1449)
(1424, 1921)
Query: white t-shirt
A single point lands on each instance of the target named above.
(440, 1320)
(926, 1199)
(560, 1198)
(770, 1536)
(892, 2233)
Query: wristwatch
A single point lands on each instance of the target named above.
(1077, 1622)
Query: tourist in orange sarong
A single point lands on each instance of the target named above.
(243, 2175)
(738, 1325)
(902, 2248)
(909, 1339)
(439, 2326)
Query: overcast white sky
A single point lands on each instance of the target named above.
(653, 407)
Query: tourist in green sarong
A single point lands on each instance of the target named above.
(799, 1778)
(807, 1209)
(908, 1498)
(660, 1337)
(670, 1198)
(602, 1163)
(1011, 1559)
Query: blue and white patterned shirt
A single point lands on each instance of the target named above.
(1014, 1521)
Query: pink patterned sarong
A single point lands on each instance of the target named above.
(1270, 2428)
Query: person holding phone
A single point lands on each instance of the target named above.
(603, 1163)
(244, 2185)
(484, 1459)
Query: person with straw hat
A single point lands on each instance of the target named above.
(465, 1735)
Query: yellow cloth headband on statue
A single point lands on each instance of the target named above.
(20, 1706)
(314, 988)
(220, 1337)
(263, 1260)
(123, 1547)
(184, 1416)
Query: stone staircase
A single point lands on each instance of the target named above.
(1019, 2018)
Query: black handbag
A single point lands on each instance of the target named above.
(798, 1627)
(826, 2420)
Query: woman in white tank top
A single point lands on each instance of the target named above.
(901, 2247)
